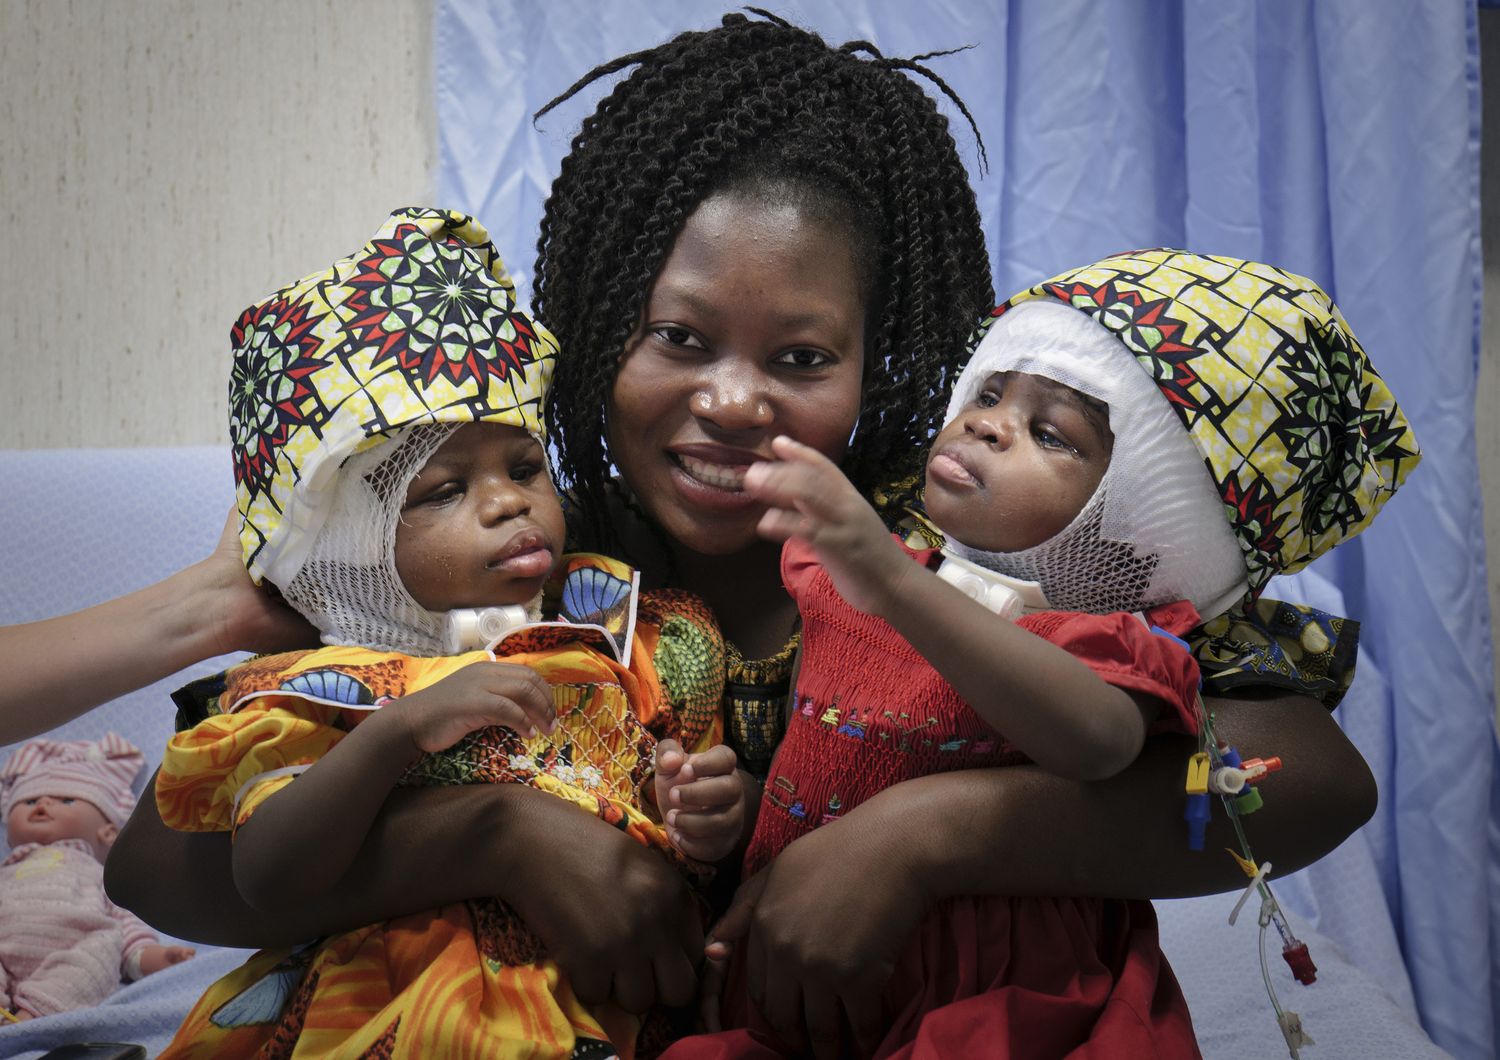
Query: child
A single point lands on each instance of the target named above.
(393, 483)
(63, 944)
(1107, 424)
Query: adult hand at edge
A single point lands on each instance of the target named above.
(246, 616)
(614, 914)
(816, 977)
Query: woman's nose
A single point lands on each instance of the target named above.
(733, 400)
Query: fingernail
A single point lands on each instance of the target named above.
(672, 818)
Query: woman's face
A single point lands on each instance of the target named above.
(754, 328)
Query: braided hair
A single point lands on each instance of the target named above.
(762, 107)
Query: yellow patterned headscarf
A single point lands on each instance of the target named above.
(1302, 438)
(419, 326)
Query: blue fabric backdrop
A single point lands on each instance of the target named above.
(1337, 139)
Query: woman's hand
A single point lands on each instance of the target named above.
(246, 617)
(813, 981)
(615, 915)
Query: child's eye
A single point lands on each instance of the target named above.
(525, 472)
(673, 335)
(1049, 440)
(804, 358)
(439, 496)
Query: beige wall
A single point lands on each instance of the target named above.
(164, 163)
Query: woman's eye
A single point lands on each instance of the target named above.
(987, 399)
(676, 336)
(804, 358)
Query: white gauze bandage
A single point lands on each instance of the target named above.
(348, 586)
(1155, 530)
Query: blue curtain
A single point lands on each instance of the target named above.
(1339, 140)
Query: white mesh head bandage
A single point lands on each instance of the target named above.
(1155, 530)
(348, 587)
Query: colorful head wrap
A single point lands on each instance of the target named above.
(419, 326)
(1301, 437)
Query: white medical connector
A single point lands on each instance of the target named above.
(1006, 596)
(471, 628)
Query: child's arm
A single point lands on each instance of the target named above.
(1045, 701)
(304, 838)
(705, 802)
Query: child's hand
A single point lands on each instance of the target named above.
(809, 497)
(701, 798)
(156, 957)
(479, 695)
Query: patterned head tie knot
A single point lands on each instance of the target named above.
(419, 326)
(1301, 437)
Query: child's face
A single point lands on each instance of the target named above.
(481, 525)
(1017, 464)
(49, 818)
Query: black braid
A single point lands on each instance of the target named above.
(761, 104)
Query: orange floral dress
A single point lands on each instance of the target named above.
(468, 979)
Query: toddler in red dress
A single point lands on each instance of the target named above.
(1134, 447)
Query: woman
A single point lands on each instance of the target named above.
(756, 234)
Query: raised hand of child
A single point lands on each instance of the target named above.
(482, 694)
(809, 497)
(155, 957)
(701, 799)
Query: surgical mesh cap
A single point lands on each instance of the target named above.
(419, 327)
(1153, 530)
(1301, 438)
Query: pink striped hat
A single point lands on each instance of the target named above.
(99, 772)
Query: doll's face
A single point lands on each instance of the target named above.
(48, 818)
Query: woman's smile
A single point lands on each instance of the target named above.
(753, 328)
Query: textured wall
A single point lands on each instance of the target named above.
(163, 163)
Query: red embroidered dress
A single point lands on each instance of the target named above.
(992, 977)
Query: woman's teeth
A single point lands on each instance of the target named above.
(720, 476)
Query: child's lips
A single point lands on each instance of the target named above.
(526, 555)
(949, 466)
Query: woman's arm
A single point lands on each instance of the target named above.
(617, 918)
(60, 667)
(1022, 831)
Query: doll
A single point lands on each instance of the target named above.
(63, 944)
